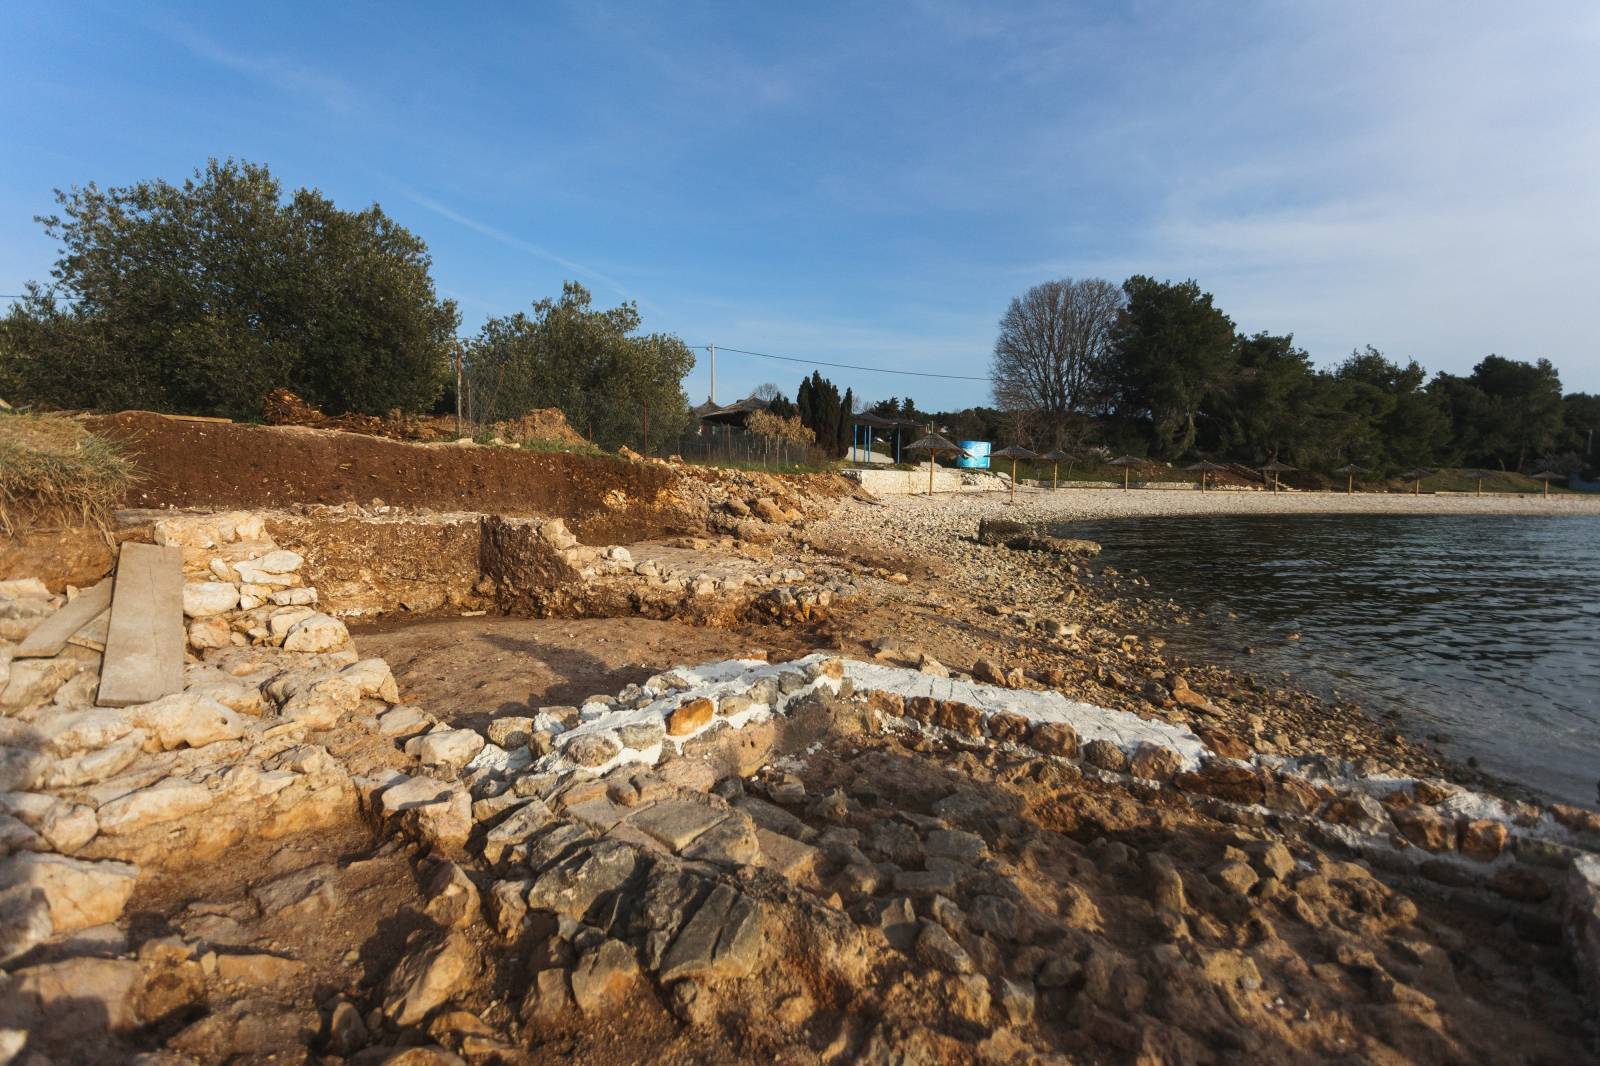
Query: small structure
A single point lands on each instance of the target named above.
(1545, 476)
(1415, 477)
(1350, 470)
(1055, 459)
(1015, 452)
(863, 426)
(934, 445)
(1275, 468)
(1127, 462)
(1205, 466)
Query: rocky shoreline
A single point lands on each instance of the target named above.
(981, 818)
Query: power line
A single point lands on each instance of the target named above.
(850, 366)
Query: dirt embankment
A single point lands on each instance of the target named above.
(226, 465)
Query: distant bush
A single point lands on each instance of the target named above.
(201, 298)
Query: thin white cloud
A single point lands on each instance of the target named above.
(284, 74)
(511, 240)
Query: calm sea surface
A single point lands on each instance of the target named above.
(1483, 628)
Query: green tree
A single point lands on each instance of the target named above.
(1275, 404)
(584, 361)
(1391, 420)
(1580, 412)
(202, 297)
(1171, 351)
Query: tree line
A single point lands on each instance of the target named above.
(1156, 368)
(202, 297)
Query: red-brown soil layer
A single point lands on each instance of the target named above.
(226, 465)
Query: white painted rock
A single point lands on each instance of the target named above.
(317, 633)
(164, 801)
(79, 893)
(185, 719)
(202, 599)
(445, 747)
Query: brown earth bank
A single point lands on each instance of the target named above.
(188, 463)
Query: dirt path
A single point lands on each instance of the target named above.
(470, 670)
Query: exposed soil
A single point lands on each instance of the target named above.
(225, 465)
(469, 670)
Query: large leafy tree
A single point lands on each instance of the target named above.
(1391, 421)
(1505, 413)
(1172, 349)
(204, 296)
(1051, 354)
(589, 363)
(1274, 405)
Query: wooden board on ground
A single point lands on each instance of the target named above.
(144, 646)
(53, 635)
(93, 635)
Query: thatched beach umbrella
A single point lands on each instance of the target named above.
(1275, 468)
(1205, 466)
(1015, 452)
(934, 445)
(1350, 470)
(1477, 476)
(1127, 462)
(1055, 459)
(1545, 476)
(1415, 477)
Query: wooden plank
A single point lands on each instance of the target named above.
(52, 636)
(93, 635)
(144, 646)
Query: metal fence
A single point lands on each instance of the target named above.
(732, 446)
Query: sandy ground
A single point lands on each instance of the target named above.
(1070, 504)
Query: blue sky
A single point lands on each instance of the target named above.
(872, 183)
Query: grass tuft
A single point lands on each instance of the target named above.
(53, 472)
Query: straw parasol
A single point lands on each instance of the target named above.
(1478, 476)
(1015, 452)
(1350, 470)
(934, 445)
(1275, 468)
(1204, 467)
(1127, 462)
(1055, 459)
(1415, 477)
(1546, 476)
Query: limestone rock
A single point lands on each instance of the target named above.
(591, 749)
(1154, 762)
(79, 894)
(573, 887)
(452, 897)
(431, 972)
(69, 734)
(207, 633)
(1055, 738)
(372, 677)
(690, 716)
(317, 633)
(936, 948)
(1105, 755)
(24, 921)
(185, 719)
(203, 599)
(165, 801)
(448, 748)
(511, 730)
(603, 975)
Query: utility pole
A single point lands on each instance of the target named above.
(713, 349)
(458, 390)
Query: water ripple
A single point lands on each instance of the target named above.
(1485, 628)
